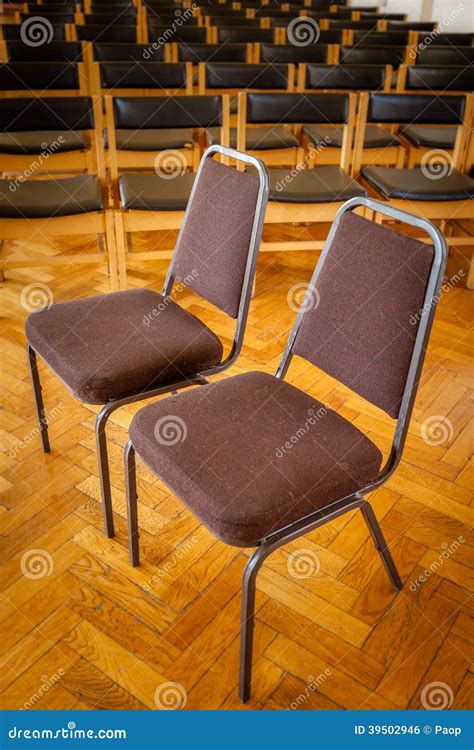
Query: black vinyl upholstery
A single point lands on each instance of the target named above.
(418, 185)
(149, 192)
(56, 113)
(167, 112)
(301, 108)
(242, 76)
(49, 198)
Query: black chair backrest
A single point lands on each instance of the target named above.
(297, 108)
(196, 53)
(55, 18)
(116, 33)
(238, 21)
(118, 52)
(237, 34)
(38, 76)
(445, 55)
(164, 34)
(367, 23)
(350, 77)
(217, 10)
(439, 40)
(427, 78)
(38, 8)
(376, 55)
(399, 38)
(18, 51)
(55, 113)
(104, 19)
(410, 25)
(143, 113)
(164, 19)
(244, 76)
(21, 31)
(288, 53)
(416, 108)
(144, 75)
(384, 16)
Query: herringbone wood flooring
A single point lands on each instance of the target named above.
(94, 633)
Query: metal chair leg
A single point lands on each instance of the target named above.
(381, 544)
(40, 410)
(104, 474)
(131, 494)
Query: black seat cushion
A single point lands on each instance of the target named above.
(375, 136)
(417, 184)
(149, 192)
(37, 141)
(318, 185)
(258, 138)
(236, 465)
(441, 136)
(48, 198)
(107, 346)
(154, 139)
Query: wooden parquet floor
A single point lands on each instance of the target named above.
(82, 629)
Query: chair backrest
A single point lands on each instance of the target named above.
(135, 113)
(124, 17)
(118, 52)
(164, 34)
(246, 76)
(346, 77)
(416, 108)
(196, 53)
(298, 108)
(439, 40)
(233, 21)
(107, 33)
(217, 246)
(367, 23)
(18, 51)
(368, 287)
(400, 38)
(51, 17)
(373, 55)
(237, 34)
(145, 75)
(288, 53)
(39, 76)
(427, 78)
(446, 55)
(18, 31)
(411, 25)
(57, 113)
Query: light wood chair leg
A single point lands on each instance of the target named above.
(121, 250)
(112, 251)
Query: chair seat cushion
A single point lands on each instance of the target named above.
(419, 185)
(38, 141)
(375, 136)
(149, 192)
(441, 136)
(107, 346)
(48, 198)
(254, 454)
(258, 138)
(153, 139)
(318, 185)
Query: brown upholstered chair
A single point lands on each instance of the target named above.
(119, 348)
(229, 464)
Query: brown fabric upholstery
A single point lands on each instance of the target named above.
(107, 346)
(213, 250)
(372, 282)
(256, 454)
